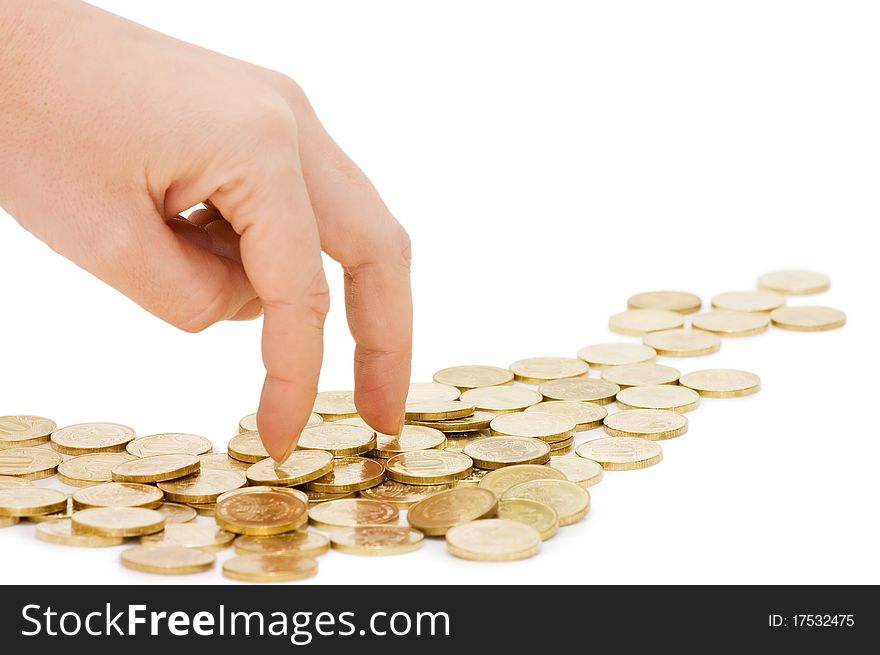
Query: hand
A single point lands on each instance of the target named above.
(108, 129)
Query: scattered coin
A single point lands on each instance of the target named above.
(536, 370)
(473, 376)
(169, 443)
(653, 424)
(31, 501)
(403, 495)
(722, 382)
(8, 482)
(438, 410)
(638, 322)
(202, 487)
(261, 512)
(191, 535)
(585, 415)
(584, 472)
(337, 439)
(85, 438)
(436, 514)
(621, 453)
(500, 480)
(156, 468)
(660, 396)
(61, 532)
(456, 441)
(501, 399)
(641, 375)
(334, 405)
(473, 480)
(794, 283)
(616, 354)
(204, 509)
(412, 437)
(65, 513)
(590, 390)
(571, 501)
(683, 343)
(376, 540)
(808, 318)
(349, 474)
(731, 324)
(270, 568)
(298, 543)
(243, 490)
(87, 470)
(562, 447)
(24, 430)
(748, 301)
(420, 392)
(167, 559)
(223, 462)
(302, 466)
(249, 422)
(493, 540)
(539, 425)
(29, 463)
(539, 516)
(428, 467)
(317, 497)
(247, 447)
(175, 513)
(497, 452)
(117, 521)
(117, 494)
(479, 420)
(350, 512)
(672, 301)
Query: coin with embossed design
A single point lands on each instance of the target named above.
(476, 421)
(403, 495)
(29, 463)
(61, 532)
(722, 382)
(438, 410)
(203, 487)
(585, 415)
(731, 324)
(176, 513)
(600, 355)
(641, 375)
(672, 301)
(497, 452)
(584, 472)
(653, 424)
(438, 513)
(547, 427)
(334, 405)
(350, 512)
(411, 437)
(428, 467)
(338, 439)
(87, 470)
(156, 468)
(247, 447)
(191, 535)
(261, 512)
(536, 370)
(621, 453)
(500, 480)
(349, 474)
(169, 443)
(429, 391)
(493, 540)
(540, 516)
(23, 430)
(302, 466)
(117, 521)
(85, 438)
(590, 390)
(501, 399)
(117, 494)
(683, 343)
(571, 501)
(661, 396)
(31, 501)
(808, 318)
(299, 542)
(167, 559)
(473, 376)
(376, 540)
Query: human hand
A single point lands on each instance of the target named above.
(108, 129)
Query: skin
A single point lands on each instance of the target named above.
(108, 131)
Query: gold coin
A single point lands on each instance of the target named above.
(537, 425)
(8, 482)
(653, 424)
(473, 376)
(191, 535)
(317, 497)
(31, 501)
(302, 466)
(536, 370)
(585, 415)
(167, 559)
(349, 474)
(249, 422)
(117, 521)
(29, 463)
(641, 375)
(562, 447)
(270, 568)
(502, 399)
(338, 440)
(420, 392)
(412, 437)
(621, 453)
(402, 495)
(85, 438)
(261, 512)
(87, 470)
(794, 283)
(247, 447)
(428, 467)
(671, 301)
(334, 405)
(500, 480)
(376, 540)
(61, 515)
(117, 494)
(299, 543)
(438, 410)
(584, 472)
(244, 490)
(722, 382)
(493, 540)
(350, 512)
(169, 443)
(175, 513)
(479, 420)
(683, 343)
(571, 501)
(204, 509)
(7, 521)
(61, 532)
(808, 318)
(24, 430)
(539, 516)
(638, 322)
(731, 324)
(660, 396)
(203, 487)
(436, 514)
(748, 301)
(616, 354)
(456, 441)
(222, 461)
(583, 389)
(156, 468)
(473, 480)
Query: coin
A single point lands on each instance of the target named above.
(585, 415)
(653, 424)
(61, 532)
(350, 512)
(175, 513)
(169, 443)
(412, 437)
(438, 410)
(456, 441)
(202, 487)
(222, 461)
(683, 343)
(536, 370)
(8, 482)
(501, 399)
(748, 301)
(249, 422)
(808, 318)
(31, 501)
(339, 440)
(261, 512)
(247, 447)
(299, 543)
(722, 382)
(7, 521)
(436, 514)
(167, 559)
(85, 438)
(428, 467)
(270, 568)
(60, 515)
(191, 535)
(539, 516)
(731, 324)
(204, 509)
(584, 472)
(29, 463)
(794, 283)
(349, 474)
(473, 376)
(334, 405)
(24, 430)
(672, 301)
(638, 322)
(493, 540)
(571, 501)
(376, 540)
(402, 495)
(117, 494)
(641, 375)
(562, 447)
(584, 389)
(302, 466)
(538, 425)
(156, 468)
(87, 470)
(117, 521)
(317, 497)
(500, 480)
(430, 391)
(479, 420)
(244, 490)
(616, 354)
(473, 480)
(660, 396)
(621, 453)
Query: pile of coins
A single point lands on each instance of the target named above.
(487, 457)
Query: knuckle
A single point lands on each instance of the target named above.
(273, 121)
(317, 297)
(402, 244)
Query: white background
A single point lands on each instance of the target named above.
(548, 159)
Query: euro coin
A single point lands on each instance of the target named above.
(672, 301)
(808, 318)
(24, 430)
(175, 513)
(420, 392)
(438, 410)
(473, 376)
(479, 420)
(302, 466)
(571, 501)
(538, 425)
(247, 447)
(794, 282)
(223, 462)
(412, 437)
(748, 301)
(497, 452)
(722, 382)
(117, 494)
(338, 440)
(428, 467)
(8, 482)
(270, 568)
(261, 513)
(169, 443)
(584, 472)
(501, 399)
(202, 487)
(402, 495)
(334, 405)
(616, 354)
(493, 540)
(349, 474)
(590, 390)
(85, 438)
(621, 453)
(350, 512)
(156, 468)
(29, 463)
(203, 536)
(31, 501)
(653, 424)
(638, 322)
(88, 470)
(585, 415)
(536, 370)
(436, 514)
(660, 396)
(500, 480)
(731, 324)
(539, 516)
(117, 521)
(249, 422)
(61, 532)
(641, 375)
(376, 540)
(298, 543)
(166, 559)
(683, 343)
